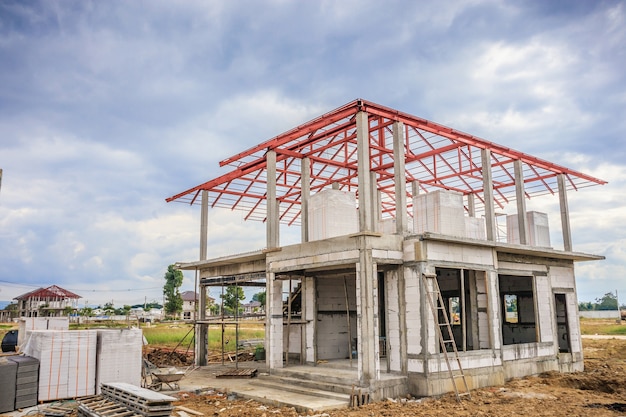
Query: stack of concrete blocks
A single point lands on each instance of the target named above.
(332, 213)
(119, 356)
(8, 376)
(439, 212)
(537, 229)
(27, 382)
(28, 324)
(67, 360)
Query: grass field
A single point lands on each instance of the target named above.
(602, 326)
(182, 334)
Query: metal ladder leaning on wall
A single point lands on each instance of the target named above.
(436, 304)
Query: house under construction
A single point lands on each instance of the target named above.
(407, 274)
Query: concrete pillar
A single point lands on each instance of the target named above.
(471, 205)
(490, 215)
(565, 226)
(305, 195)
(272, 220)
(399, 177)
(204, 221)
(309, 312)
(520, 195)
(366, 216)
(377, 207)
(274, 323)
(202, 330)
(367, 315)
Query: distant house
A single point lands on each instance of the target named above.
(189, 304)
(46, 302)
(253, 307)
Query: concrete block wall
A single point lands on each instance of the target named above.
(333, 335)
(332, 213)
(544, 306)
(439, 212)
(413, 296)
(393, 321)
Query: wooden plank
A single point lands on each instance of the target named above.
(189, 410)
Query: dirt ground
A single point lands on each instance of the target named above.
(598, 391)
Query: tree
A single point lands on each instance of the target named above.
(109, 310)
(232, 299)
(607, 302)
(260, 297)
(173, 281)
(68, 310)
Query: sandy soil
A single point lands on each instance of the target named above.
(598, 391)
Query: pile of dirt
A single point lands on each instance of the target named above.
(164, 358)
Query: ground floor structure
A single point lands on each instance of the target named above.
(362, 300)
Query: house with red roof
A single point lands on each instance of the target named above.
(52, 301)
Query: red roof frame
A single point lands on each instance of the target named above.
(50, 292)
(438, 156)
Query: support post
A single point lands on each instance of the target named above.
(272, 220)
(471, 205)
(202, 329)
(305, 187)
(399, 178)
(366, 216)
(490, 215)
(367, 317)
(565, 226)
(520, 195)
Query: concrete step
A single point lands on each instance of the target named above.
(302, 387)
(325, 387)
(279, 395)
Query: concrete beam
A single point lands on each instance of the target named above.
(565, 225)
(272, 220)
(305, 195)
(490, 215)
(399, 176)
(520, 195)
(366, 216)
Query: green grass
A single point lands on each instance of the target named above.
(602, 326)
(171, 335)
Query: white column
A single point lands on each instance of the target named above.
(399, 178)
(366, 216)
(520, 195)
(565, 226)
(309, 313)
(272, 220)
(274, 322)
(367, 315)
(305, 195)
(490, 216)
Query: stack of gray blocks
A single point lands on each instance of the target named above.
(19, 382)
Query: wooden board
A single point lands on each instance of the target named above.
(237, 373)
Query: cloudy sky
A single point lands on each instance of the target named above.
(107, 108)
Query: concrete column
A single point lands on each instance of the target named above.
(204, 221)
(565, 226)
(377, 208)
(309, 311)
(305, 195)
(490, 215)
(471, 205)
(274, 323)
(367, 315)
(399, 177)
(520, 195)
(366, 216)
(272, 220)
(202, 330)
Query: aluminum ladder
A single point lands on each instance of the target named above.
(435, 300)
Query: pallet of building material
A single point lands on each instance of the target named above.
(57, 411)
(237, 373)
(141, 400)
(98, 406)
